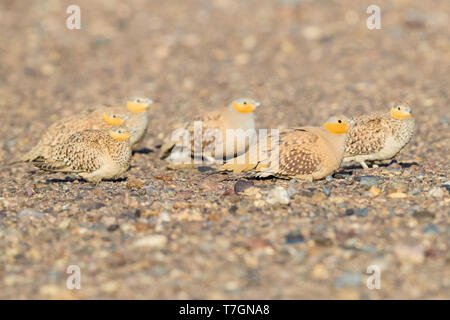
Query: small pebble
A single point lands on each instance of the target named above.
(349, 279)
(327, 191)
(30, 213)
(398, 195)
(375, 191)
(134, 183)
(362, 212)
(278, 195)
(436, 192)
(291, 191)
(431, 228)
(349, 212)
(370, 181)
(242, 185)
(153, 241)
(294, 237)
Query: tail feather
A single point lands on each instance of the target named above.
(166, 148)
(13, 162)
(51, 166)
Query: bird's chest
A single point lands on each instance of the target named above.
(116, 163)
(391, 147)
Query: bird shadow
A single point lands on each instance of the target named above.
(57, 180)
(69, 179)
(143, 151)
(404, 165)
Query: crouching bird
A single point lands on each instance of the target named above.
(99, 118)
(306, 153)
(379, 136)
(216, 135)
(62, 129)
(94, 155)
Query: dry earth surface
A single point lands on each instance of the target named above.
(194, 233)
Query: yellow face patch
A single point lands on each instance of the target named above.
(136, 106)
(112, 121)
(243, 108)
(400, 114)
(120, 136)
(337, 128)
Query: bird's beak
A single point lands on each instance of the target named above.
(257, 104)
(352, 122)
(409, 110)
(132, 131)
(126, 118)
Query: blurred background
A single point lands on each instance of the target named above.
(304, 60)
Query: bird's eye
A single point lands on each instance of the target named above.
(114, 116)
(398, 108)
(245, 102)
(339, 121)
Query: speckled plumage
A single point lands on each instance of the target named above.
(377, 136)
(93, 154)
(91, 119)
(211, 141)
(307, 153)
(61, 130)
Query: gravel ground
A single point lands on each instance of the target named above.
(194, 233)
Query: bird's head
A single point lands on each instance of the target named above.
(245, 105)
(121, 133)
(338, 124)
(114, 119)
(139, 104)
(401, 111)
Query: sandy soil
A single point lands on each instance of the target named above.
(161, 233)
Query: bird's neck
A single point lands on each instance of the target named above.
(237, 119)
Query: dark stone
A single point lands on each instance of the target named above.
(242, 185)
(446, 186)
(233, 209)
(342, 175)
(91, 205)
(349, 212)
(137, 214)
(424, 214)
(323, 242)
(112, 227)
(294, 237)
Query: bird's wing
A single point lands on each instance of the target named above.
(210, 133)
(198, 140)
(297, 154)
(81, 152)
(367, 136)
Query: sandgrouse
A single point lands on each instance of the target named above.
(95, 155)
(62, 129)
(306, 153)
(215, 136)
(379, 136)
